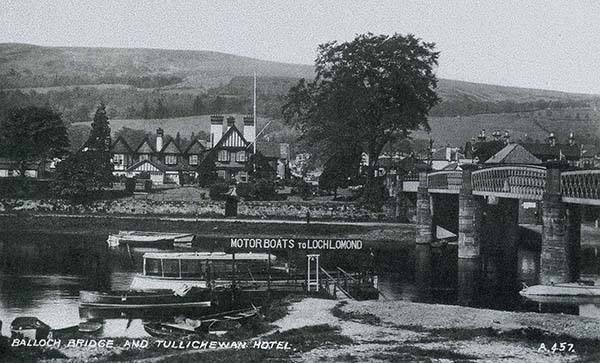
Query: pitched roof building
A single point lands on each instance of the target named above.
(168, 161)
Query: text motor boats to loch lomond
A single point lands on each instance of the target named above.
(148, 239)
(173, 270)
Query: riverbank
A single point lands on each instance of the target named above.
(206, 228)
(318, 330)
(183, 202)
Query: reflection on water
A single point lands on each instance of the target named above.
(41, 275)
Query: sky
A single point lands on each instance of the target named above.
(536, 44)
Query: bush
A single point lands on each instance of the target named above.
(130, 185)
(264, 189)
(25, 187)
(217, 191)
(244, 190)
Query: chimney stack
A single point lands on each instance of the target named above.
(159, 139)
(552, 139)
(216, 129)
(230, 122)
(249, 128)
(571, 139)
(481, 136)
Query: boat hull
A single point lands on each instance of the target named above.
(144, 300)
(567, 293)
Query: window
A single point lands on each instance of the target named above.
(223, 155)
(240, 156)
(144, 157)
(193, 159)
(119, 159)
(170, 159)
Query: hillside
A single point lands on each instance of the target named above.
(23, 65)
(29, 67)
(177, 89)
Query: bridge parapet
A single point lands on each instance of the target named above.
(446, 181)
(581, 186)
(522, 182)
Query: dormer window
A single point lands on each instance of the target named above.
(223, 155)
(193, 160)
(170, 159)
(118, 159)
(144, 157)
(240, 156)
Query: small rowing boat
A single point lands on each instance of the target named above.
(148, 239)
(211, 324)
(29, 327)
(573, 292)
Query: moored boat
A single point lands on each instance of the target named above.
(574, 293)
(149, 299)
(212, 324)
(29, 327)
(172, 270)
(148, 239)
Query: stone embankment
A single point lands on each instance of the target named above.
(293, 210)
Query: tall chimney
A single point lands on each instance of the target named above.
(159, 139)
(216, 129)
(571, 139)
(249, 128)
(230, 122)
(552, 139)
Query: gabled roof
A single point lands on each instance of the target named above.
(549, 152)
(232, 138)
(171, 147)
(145, 147)
(120, 146)
(513, 154)
(196, 147)
(150, 165)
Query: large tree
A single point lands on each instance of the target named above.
(367, 92)
(98, 145)
(90, 169)
(32, 134)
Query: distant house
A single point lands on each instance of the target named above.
(537, 153)
(34, 169)
(164, 162)
(167, 161)
(444, 156)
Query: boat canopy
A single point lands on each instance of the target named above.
(212, 256)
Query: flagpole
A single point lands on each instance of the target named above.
(254, 112)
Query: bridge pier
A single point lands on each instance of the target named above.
(424, 218)
(424, 237)
(470, 212)
(560, 233)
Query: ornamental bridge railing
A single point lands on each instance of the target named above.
(581, 186)
(523, 182)
(445, 182)
(518, 181)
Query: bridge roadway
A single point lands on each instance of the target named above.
(488, 199)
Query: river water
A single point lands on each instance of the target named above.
(41, 275)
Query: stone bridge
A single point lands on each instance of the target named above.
(458, 200)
